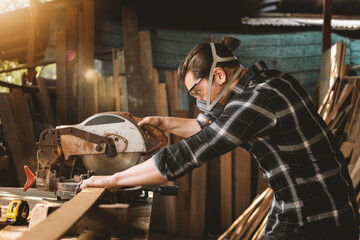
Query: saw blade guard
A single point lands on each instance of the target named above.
(108, 142)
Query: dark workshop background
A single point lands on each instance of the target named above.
(62, 61)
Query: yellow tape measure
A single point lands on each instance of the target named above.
(17, 212)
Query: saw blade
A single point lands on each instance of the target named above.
(104, 165)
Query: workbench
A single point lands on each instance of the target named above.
(139, 213)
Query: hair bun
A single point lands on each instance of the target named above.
(231, 43)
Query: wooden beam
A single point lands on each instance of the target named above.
(81, 78)
(4, 162)
(71, 64)
(23, 66)
(13, 42)
(61, 96)
(90, 104)
(32, 30)
(146, 64)
(198, 201)
(330, 69)
(116, 83)
(45, 102)
(242, 180)
(61, 220)
(11, 113)
(140, 88)
(226, 190)
(326, 27)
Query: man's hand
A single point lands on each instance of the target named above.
(183, 127)
(107, 182)
(156, 121)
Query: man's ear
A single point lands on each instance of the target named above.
(219, 76)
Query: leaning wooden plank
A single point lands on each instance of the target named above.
(340, 104)
(346, 149)
(352, 131)
(254, 220)
(258, 234)
(355, 155)
(250, 209)
(355, 68)
(355, 173)
(330, 68)
(60, 221)
(255, 223)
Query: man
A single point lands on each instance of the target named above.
(269, 114)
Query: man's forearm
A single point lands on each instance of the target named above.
(144, 173)
(183, 127)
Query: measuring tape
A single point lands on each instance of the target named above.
(17, 212)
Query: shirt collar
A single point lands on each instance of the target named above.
(253, 71)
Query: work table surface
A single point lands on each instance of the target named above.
(139, 213)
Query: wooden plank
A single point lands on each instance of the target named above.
(61, 97)
(248, 211)
(140, 88)
(71, 64)
(226, 191)
(355, 155)
(32, 31)
(183, 197)
(147, 68)
(80, 64)
(25, 88)
(25, 126)
(4, 163)
(198, 201)
(33, 122)
(339, 105)
(123, 82)
(213, 217)
(354, 125)
(355, 173)
(330, 69)
(242, 180)
(47, 110)
(61, 220)
(172, 89)
(13, 136)
(326, 27)
(116, 84)
(89, 83)
(346, 149)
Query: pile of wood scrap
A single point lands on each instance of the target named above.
(251, 224)
(340, 109)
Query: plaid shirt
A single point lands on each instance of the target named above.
(272, 116)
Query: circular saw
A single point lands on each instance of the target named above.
(106, 142)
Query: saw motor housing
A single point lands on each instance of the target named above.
(104, 143)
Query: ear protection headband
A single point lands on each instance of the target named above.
(217, 59)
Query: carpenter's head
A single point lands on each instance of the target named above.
(195, 68)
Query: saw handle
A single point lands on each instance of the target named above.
(153, 131)
(30, 178)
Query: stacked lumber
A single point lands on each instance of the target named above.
(251, 224)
